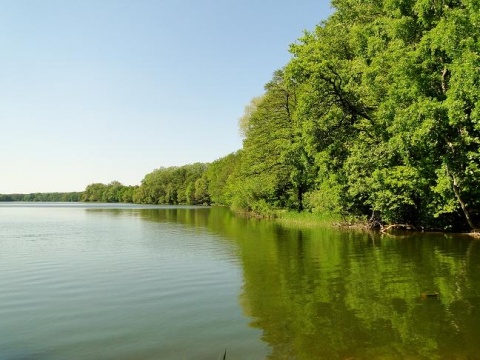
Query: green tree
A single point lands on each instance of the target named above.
(220, 178)
(94, 192)
(172, 185)
(387, 105)
(270, 173)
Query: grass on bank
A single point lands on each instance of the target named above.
(308, 219)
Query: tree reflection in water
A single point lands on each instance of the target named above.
(331, 294)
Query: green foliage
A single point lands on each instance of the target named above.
(220, 177)
(250, 197)
(113, 192)
(395, 193)
(200, 195)
(43, 197)
(244, 122)
(326, 198)
(387, 104)
(172, 185)
(274, 171)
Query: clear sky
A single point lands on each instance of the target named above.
(103, 90)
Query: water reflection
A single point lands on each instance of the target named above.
(329, 294)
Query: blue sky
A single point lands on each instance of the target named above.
(102, 90)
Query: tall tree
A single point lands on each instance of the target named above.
(271, 173)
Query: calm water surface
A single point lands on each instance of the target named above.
(81, 281)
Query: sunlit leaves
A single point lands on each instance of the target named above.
(388, 103)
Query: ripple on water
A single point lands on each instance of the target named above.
(110, 292)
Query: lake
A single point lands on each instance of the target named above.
(97, 281)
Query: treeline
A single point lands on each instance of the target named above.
(114, 192)
(173, 185)
(167, 185)
(47, 197)
(375, 116)
(194, 184)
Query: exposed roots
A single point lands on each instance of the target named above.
(385, 229)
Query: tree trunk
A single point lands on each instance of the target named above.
(456, 190)
(463, 206)
(300, 199)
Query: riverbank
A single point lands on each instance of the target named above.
(309, 220)
(301, 220)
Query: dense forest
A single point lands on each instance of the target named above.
(56, 196)
(375, 116)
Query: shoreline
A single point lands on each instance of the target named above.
(306, 220)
